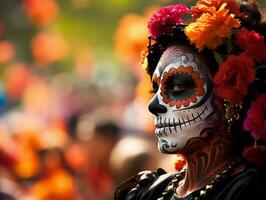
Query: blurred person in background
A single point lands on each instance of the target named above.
(208, 78)
(131, 155)
(99, 177)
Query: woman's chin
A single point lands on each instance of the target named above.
(168, 147)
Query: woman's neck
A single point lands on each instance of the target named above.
(203, 164)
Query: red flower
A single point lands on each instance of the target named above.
(252, 43)
(255, 155)
(234, 77)
(163, 20)
(180, 162)
(256, 118)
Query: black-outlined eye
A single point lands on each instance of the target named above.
(181, 86)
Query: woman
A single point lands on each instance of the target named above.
(208, 78)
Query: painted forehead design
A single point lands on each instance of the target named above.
(174, 54)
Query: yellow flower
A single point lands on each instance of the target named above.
(212, 28)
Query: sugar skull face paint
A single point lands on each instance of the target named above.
(181, 105)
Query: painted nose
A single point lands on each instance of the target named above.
(155, 107)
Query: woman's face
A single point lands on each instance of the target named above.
(182, 103)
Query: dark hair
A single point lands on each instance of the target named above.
(108, 130)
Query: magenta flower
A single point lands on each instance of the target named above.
(255, 155)
(166, 17)
(256, 119)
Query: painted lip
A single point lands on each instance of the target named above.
(180, 121)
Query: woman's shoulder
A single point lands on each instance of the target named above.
(148, 185)
(249, 184)
(253, 182)
(145, 185)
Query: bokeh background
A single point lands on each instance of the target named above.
(73, 98)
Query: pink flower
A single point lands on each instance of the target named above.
(255, 155)
(166, 17)
(256, 118)
(252, 43)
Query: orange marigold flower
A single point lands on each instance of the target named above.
(48, 47)
(211, 29)
(7, 51)
(41, 12)
(131, 37)
(206, 6)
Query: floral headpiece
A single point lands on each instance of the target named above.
(230, 32)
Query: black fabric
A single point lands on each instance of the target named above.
(237, 187)
(249, 184)
(145, 185)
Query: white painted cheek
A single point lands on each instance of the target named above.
(189, 124)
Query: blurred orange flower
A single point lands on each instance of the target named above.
(37, 96)
(27, 164)
(76, 156)
(54, 136)
(41, 12)
(59, 185)
(217, 25)
(143, 89)
(131, 37)
(16, 79)
(7, 51)
(48, 47)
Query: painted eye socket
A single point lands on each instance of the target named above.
(181, 86)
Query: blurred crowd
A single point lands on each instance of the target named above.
(72, 125)
(70, 160)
